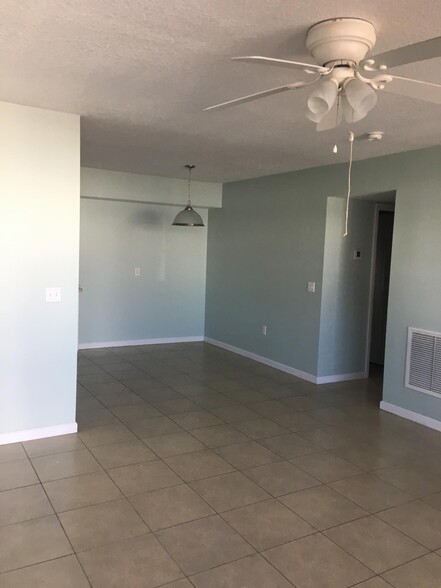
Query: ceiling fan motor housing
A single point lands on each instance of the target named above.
(340, 39)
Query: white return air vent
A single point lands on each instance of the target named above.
(423, 365)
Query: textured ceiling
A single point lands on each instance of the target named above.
(141, 71)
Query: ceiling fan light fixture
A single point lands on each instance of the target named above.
(188, 217)
(360, 97)
(322, 100)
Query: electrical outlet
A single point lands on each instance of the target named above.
(356, 256)
(137, 271)
(53, 294)
(263, 329)
(311, 286)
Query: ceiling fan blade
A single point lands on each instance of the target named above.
(332, 119)
(259, 95)
(414, 89)
(410, 53)
(308, 67)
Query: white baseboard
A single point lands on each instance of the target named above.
(286, 368)
(342, 378)
(269, 362)
(410, 415)
(140, 342)
(31, 434)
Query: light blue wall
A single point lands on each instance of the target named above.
(346, 287)
(268, 241)
(39, 243)
(264, 245)
(167, 300)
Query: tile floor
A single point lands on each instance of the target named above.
(194, 467)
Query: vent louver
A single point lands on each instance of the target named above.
(423, 365)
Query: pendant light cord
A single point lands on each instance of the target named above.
(351, 144)
(189, 183)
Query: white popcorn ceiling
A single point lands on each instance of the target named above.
(140, 72)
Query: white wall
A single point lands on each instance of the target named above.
(39, 244)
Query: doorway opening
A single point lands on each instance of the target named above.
(380, 278)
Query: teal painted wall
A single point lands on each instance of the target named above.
(167, 300)
(39, 241)
(346, 287)
(268, 240)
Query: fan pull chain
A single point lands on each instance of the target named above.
(351, 143)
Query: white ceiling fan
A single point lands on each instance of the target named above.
(344, 91)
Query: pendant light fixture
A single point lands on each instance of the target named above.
(188, 217)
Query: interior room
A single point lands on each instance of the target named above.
(221, 356)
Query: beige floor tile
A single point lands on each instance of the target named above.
(196, 420)
(424, 572)
(95, 418)
(296, 421)
(170, 506)
(326, 467)
(64, 572)
(234, 414)
(418, 520)
(370, 492)
(229, 491)
(177, 406)
(328, 437)
(322, 507)
(31, 542)
(142, 477)
(376, 582)
(366, 457)
(134, 412)
(51, 445)
(106, 434)
(198, 465)
(14, 474)
(376, 544)
(179, 584)
(412, 480)
(80, 491)
(247, 455)
(281, 478)
(316, 562)
(173, 444)
(260, 428)
(434, 500)
(289, 446)
(121, 454)
(267, 524)
(140, 562)
(219, 436)
(100, 524)
(249, 572)
(203, 544)
(65, 465)
(12, 452)
(213, 399)
(119, 399)
(154, 426)
(23, 504)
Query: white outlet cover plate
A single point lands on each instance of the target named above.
(311, 286)
(53, 294)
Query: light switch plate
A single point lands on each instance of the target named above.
(137, 271)
(53, 294)
(311, 286)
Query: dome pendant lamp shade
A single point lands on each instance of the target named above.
(188, 217)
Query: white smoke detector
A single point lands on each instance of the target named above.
(375, 135)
